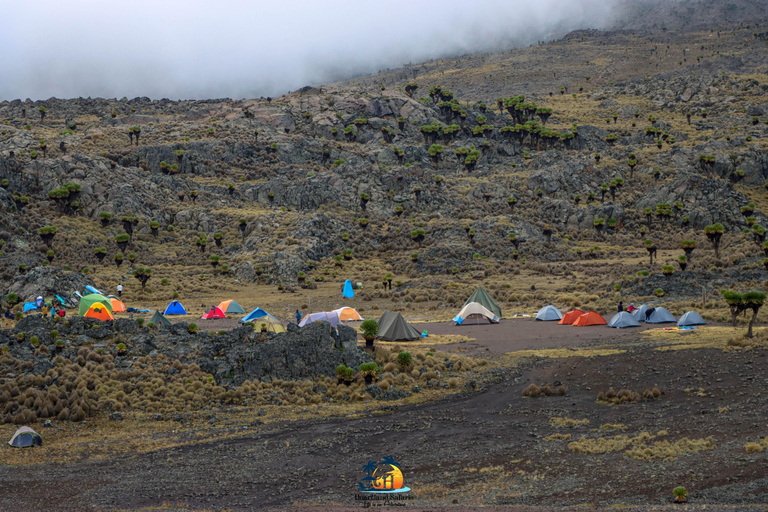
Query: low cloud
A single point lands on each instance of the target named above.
(239, 49)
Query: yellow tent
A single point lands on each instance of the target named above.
(99, 312)
(273, 324)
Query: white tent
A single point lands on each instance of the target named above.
(324, 316)
(475, 313)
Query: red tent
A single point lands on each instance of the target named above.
(214, 312)
(570, 317)
(590, 318)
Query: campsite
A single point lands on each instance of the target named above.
(494, 255)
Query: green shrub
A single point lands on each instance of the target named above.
(140, 321)
(369, 328)
(192, 328)
(370, 368)
(54, 334)
(404, 360)
(12, 299)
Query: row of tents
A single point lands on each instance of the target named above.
(620, 320)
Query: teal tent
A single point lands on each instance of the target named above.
(348, 291)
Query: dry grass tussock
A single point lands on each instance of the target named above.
(644, 446)
(725, 338)
(561, 422)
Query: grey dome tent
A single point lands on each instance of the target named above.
(639, 313)
(481, 297)
(159, 320)
(622, 320)
(690, 318)
(660, 316)
(549, 314)
(393, 327)
(24, 437)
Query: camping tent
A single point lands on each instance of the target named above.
(660, 316)
(24, 437)
(393, 327)
(347, 314)
(570, 317)
(348, 291)
(324, 316)
(272, 324)
(639, 313)
(231, 307)
(590, 318)
(475, 313)
(256, 313)
(99, 312)
(481, 297)
(690, 318)
(549, 313)
(159, 320)
(117, 305)
(622, 320)
(213, 313)
(175, 308)
(88, 300)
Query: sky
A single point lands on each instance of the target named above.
(197, 49)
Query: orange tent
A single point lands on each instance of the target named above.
(214, 312)
(590, 318)
(347, 314)
(99, 312)
(570, 317)
(117, 305)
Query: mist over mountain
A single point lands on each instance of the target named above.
(195, 50)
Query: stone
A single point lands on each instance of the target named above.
(116, 416)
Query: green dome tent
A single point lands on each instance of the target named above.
(159, 320)
(481, 297)
(89, 300)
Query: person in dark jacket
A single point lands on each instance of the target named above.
(648, 313)
(621, 306)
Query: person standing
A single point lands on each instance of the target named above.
(120, 290)
(621, 306)
(298, 317)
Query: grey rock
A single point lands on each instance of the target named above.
(116, 416)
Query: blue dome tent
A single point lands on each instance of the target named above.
(175, 308)
(549, 314)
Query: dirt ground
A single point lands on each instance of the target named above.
(525, 334)
(489, 447)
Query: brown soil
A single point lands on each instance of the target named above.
(510, 335)
(482, 447)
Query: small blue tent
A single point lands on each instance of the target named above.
(690, 318)
(28, 306)
(622, 320)
(175, 308)
(549, 313)
(348, 291)
(256, 313)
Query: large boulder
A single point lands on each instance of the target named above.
(47, 281)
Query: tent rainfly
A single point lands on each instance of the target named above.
(99, 312)
(117, 305)
(570, 317)
(324, 316)
(639, 313)
(549, 314)
(690, 318)
(24, 437)
(87, 301)
(591, 318)
(622, 320)
(484, 299)
(175, 308)
(661, 316)
(475, 313)
(253, 315)
(213, 313)
(393, 327)
(348, 291)
(347, 314)
(159, 320)
(230, 307)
